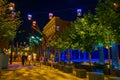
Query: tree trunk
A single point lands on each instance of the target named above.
(68, 56)
(59, 55)
(90, 59)
(11, 55)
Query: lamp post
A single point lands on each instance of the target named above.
(108, 47)
(79, 12)
(57, 29)
(50, 15)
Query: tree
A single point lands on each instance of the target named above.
(87, 33)
(8, 23)
(107, 12)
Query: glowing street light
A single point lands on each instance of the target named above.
(34, 23)
(79, 12)
(57, 27)
(13, 14)
(29, 16)
(116, 5)
(11, 6)
(50, 15)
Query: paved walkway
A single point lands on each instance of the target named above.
(30, 72)
(19, 72)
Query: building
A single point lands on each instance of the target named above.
(54, 26)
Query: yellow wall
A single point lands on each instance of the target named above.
(50, 29)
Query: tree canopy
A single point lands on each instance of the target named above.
(8, 23)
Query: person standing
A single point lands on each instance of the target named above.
(51, 60)
(26, 55)
(41, 60)
(29, 59)
(34, 58)
(23, 59)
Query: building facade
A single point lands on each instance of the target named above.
(54, 26)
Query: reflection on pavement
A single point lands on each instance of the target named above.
(30, 72)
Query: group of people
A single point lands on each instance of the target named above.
(33, 58)
(29, 58)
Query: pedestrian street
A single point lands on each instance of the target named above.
(30, 72)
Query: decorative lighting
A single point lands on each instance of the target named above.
(34, 27)
(11, 6)
(34, 23)
(13, 14)
(57, 28)
(29, 16)
(79, 12)
(50, 15)
(32, 37)
(116, 5)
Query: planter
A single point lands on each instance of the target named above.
(115, 72)
(3, 61)
(95, 76)
(77, 64)
(99, 67)
(107, 70)
(81, 73)
(56, 66)
(114, 78)
(68, 69)
(88, 68)
(60, 67)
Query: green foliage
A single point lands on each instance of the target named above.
(90, 30)
(8, 24)
(60, 45)
(109, 17)
(66, 39)
(62, 41)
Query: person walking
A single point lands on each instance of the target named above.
(51, 60)
(41, 61)
(29, 59)
(26, 55)
(23, 59)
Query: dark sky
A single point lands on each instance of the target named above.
(65, 9)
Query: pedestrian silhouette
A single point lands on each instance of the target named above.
(23, 59)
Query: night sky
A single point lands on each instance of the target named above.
(39, 9)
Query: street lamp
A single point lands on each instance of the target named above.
(34, 23)
(116, 5)
(108, 47)
(11, 6)
(29, 17)
(13, 13)
(50, 15)
(79, 12)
